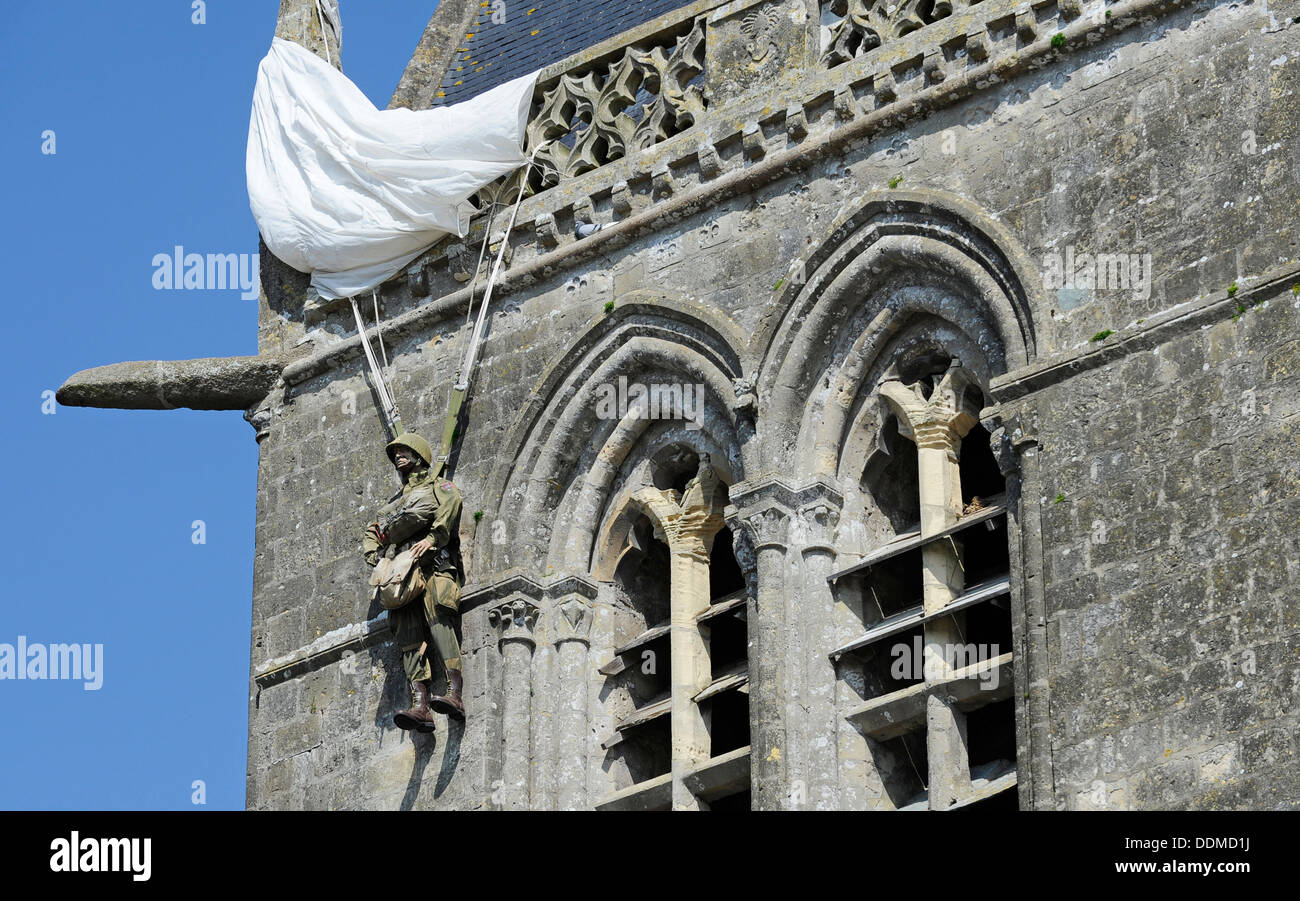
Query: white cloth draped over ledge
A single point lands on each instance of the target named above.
(351, 193)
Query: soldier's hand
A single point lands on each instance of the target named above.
(420, 547)
(372, 558)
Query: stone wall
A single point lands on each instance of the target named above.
(1165, 567)
(1169, 520)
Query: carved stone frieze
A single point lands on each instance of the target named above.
(604, 114)
(868, 24)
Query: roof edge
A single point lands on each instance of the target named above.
(419, 83)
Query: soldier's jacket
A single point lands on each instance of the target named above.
(425, 508)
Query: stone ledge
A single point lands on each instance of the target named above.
(1159, 329)
(327, 649)
(653, 794)
(720, 776)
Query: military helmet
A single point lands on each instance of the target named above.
(414, 442)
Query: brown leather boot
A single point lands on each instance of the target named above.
(418, 716)
(450, 703)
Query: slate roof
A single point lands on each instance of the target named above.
(537, 33)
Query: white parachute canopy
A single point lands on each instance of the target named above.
(351, 193)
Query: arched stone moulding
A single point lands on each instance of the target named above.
(604, 536)
(900, 275)
(895, 257)
(919, 276)
(560, 457)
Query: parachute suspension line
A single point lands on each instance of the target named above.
(320, 14)
(383, 354)
(471, 353)
(482, 252)
(461, 387)
(391, 413)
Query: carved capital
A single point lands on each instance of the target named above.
(571, 611)
(770, 527)
(514, 621)
(818, 523)
(943, 418)
(688, 524)
(572, 620)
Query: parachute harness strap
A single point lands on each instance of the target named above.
(391, 413)
(478, 267)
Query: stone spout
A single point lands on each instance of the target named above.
(217, 383)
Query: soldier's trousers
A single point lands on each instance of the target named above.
(431, 619)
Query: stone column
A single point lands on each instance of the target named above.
(764, 514)
(937, 424)
(812, 634)
(688, 527)
(570, 622)
(1015, 446)
(514, 621)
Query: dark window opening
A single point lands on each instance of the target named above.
(991, 739)
(892, 481)
(642, 575)
(728, 717)
(893, 663)
(647, 750)
(988, 627)
(728, 638)
(725, 575)
(649, 669)
(903, 767)
(925, 363)
(892, 586)
(738, 801)
(984, 551)
(980, 476)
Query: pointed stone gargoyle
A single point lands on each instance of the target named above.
(215, 383)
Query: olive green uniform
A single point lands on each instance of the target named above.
(426, 507)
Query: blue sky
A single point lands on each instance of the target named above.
(150, 119)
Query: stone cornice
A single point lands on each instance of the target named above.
(511, 582)
(329, 648)
(1157, 330)
(768, 490)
